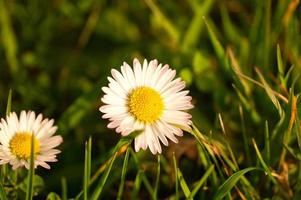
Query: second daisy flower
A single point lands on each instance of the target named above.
(147, 98)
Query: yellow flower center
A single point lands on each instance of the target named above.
(20, 145)
(145, 104)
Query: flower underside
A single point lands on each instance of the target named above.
(145, 104)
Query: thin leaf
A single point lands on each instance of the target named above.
(183, 184)
(2, 192)
(9, 102)
(201, 181)
(231, 162)
(231, 182)
(87, 168)
(9, 41)
(119, 149)
(157, 178)
(102, 181)
(205, 142)
(218, 48)
(267, 142)
(8, 110)
(298, 128)
(123, 173)
(244, 134)
(248, 105)
(164, 21)
(29, 193)
(231, 30)
(143, 176)
(137, 185)
(176, 175)
(64, 188)
(289, 73)
(296, 154)
(125, 141)
(195, 28)
(267, 34)
(237, 70)
(280, 62)
(264, 165)
(270, 93)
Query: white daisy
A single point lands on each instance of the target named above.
(16, 136)
(147, 98)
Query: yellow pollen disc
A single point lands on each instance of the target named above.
(145, 104)
(20, 145)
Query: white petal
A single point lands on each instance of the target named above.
(150, 72)
(137, 72)
(129, 74)
(51, 143)
(165, 77)
(140, 142)
(173, 87)
(160, 134)
(115, 109)
(121, 80)
(144, 69)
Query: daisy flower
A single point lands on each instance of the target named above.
(147, 98)
(16, 137)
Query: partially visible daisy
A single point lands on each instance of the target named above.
(147, 98)
(16, 137)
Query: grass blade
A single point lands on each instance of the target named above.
(218, 48)
(124, 141)
(9, 40)
(267, 142)
(231, 31)
(137, 185)
(143, 176)
(8, 110)
(119, 149)
(123, 173)
(2, 191)
(102, 181)
(264, 165)
(183, 184)
(64, 188)
(237, 70)
(231, 182)
(245, 136)
(270, 93)
(166, 24)
(157, 178)
(176, 175)
(249, 106)
(201, 181)
(192, 34)
(280, 62)
(29, 192)
(267, 34)
(9, 100)
(87, 168)
(298, 129)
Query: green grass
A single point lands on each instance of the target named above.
(241, 62)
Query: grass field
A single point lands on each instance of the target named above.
(240, 60)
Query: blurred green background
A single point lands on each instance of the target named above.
(55, 55)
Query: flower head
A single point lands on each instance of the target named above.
(16, 139)
(147, 98)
